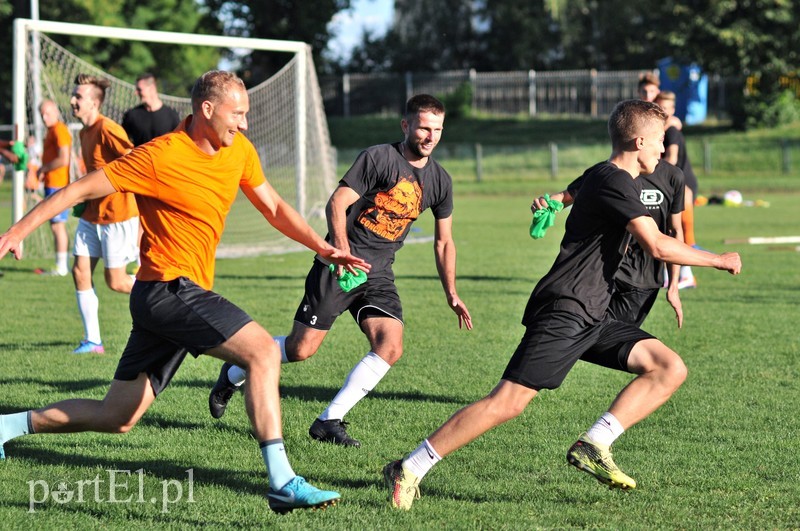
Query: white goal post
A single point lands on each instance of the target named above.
(287, 122)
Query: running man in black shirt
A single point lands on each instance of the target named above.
(566, 318)
(371, 213)
(640, 276)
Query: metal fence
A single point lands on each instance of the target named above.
(568, 92)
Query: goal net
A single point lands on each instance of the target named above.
(286, 123)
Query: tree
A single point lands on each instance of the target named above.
(176, 67)
(427, 36)
(756, 43)
(305, 21)
(518, 35)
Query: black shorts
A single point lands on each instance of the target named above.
(171, 319)
(555, 340)
(631, 305)
(324, 300)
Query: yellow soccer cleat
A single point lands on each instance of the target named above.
(403, 485)
(595, 459)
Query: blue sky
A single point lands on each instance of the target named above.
(348, 26)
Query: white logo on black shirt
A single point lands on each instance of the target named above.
(652, 198)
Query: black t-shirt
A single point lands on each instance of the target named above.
(673, 136)
(393, 194)
(662, 196)
(581, 279)
(143, 126)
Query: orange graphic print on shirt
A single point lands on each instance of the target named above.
(393, 210)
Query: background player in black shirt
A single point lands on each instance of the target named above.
(152, 118)
(566, 315)
(675, 153)
(370, 214)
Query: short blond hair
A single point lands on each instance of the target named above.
(665, 95)
(213, 86)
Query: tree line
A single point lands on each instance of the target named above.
(752, 41)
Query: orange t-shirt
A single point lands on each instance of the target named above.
(104, 141)
(184, 196)
(57, 137)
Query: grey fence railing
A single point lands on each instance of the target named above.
(568, 92)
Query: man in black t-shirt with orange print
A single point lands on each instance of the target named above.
(370, 215)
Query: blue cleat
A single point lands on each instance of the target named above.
(87, 347)
(298, 494)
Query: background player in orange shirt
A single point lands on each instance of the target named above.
(54, 171)
(185, 183)
(108, 228)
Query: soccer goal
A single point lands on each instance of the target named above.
(286, 122)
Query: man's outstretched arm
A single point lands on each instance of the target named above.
(670, 250)
(91, 186)
(290, 223)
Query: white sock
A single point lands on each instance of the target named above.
(361, 380)
(281, 342)
(88, 305)
(420, 461)
(61, 263)
(686, 272)
(606, 430)
(237, 375)
(14, 425)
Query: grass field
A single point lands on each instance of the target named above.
(721, 454)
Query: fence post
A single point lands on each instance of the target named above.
(346, 95)
(478, 162)
(409, 86)
(786, 157)
(593, 89)
(473, 81)
(706, 156)
(553, 160)
(531, 93)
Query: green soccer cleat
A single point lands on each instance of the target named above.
(596, 460)
(403, 485)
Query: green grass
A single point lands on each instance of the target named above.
(721, 454)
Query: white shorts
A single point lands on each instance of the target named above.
(116, 243)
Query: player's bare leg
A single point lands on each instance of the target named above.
(118, 279)
(506, 401)
(660, 373)
(118, 412)
(253, 349)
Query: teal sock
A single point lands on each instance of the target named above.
(12, 426)
(278, 468)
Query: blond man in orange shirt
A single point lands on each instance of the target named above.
(185, 183)
(108, 227)
(54, 172)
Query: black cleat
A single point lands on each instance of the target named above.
(221, 393)
(332, 431)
